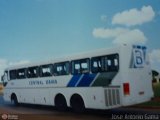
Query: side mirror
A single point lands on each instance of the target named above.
(3, 81)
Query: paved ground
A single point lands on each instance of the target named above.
(33, 112)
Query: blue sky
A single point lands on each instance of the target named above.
(32, 30)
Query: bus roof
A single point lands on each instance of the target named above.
(98, 52)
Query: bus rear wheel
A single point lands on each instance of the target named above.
(77, 103)
(60, 102)
(14, 100)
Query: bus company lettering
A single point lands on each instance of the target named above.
(39, 82)
(51, 81)
(36, 82)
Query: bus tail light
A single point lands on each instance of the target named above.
(126, 89)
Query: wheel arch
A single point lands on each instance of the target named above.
(13, 95)
(14, 99)
(59, 95)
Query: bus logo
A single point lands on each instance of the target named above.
(139, 56)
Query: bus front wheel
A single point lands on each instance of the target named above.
(14, 100)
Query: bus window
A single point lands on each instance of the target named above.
(80, 66)
(109, 62)
(32, 72)
(112, 62)
(97, 64)
(12, 74)
(46, 70)
(61, 68)
(21, 73)
(116, 62)
(76, 69)
(105, 63)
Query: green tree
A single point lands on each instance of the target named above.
(154, 73)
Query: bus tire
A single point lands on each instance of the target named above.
(14, 99)
(60, 102)
(77, 103)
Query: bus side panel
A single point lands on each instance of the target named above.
(93, 97)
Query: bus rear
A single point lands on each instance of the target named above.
(136, 75)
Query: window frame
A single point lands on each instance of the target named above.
(64, 72)
(80, 62)
(34, 68)
(11, 75)
(113, 67)
(19, 71)
(46, 74)
(107, 63)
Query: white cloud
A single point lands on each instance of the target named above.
(120, 35)
(18, 63)
(155, 55)
(134, 16)
(132, 36)
(108, 33)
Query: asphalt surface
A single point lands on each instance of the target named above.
(25, 112)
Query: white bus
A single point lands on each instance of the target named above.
(101, 79)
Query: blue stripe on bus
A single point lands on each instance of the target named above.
(73, 81)
(86, 80)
